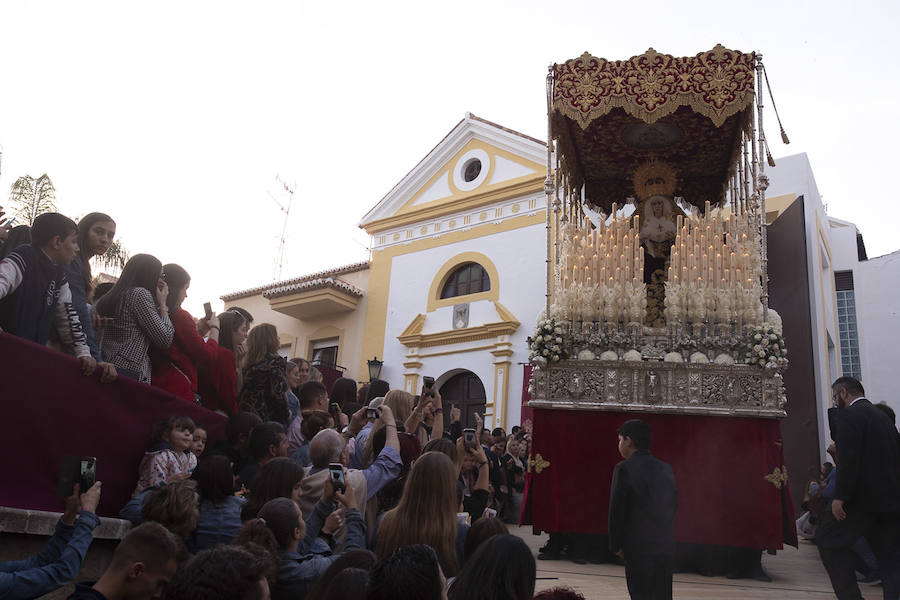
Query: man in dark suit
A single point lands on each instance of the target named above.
(642, 506)
(866, 493)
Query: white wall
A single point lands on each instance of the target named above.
(519, 256)
(877, 291)
(793, 175)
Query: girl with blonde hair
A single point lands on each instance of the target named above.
(426, 514)
(263, 392)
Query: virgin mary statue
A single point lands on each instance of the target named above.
(654, 186)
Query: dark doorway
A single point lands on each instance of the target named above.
(465, 391)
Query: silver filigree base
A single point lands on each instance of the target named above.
(658, 387)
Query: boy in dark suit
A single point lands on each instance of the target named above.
(642, 506)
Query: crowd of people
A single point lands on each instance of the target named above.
(356, 492)
(350, 492)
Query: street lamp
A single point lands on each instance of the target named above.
(374, 368)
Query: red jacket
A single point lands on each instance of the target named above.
(218, 383)
(175, 369)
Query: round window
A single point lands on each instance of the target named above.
(471, 170)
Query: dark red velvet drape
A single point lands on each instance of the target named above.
(527, 414)
(329, 376)
(721, 467)
(50, 410)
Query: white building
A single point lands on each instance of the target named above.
(868, 309)
(457, 273)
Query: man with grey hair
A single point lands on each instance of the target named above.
(328, 446)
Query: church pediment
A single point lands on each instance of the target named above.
(477, 164)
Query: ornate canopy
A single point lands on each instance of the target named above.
(610, 116)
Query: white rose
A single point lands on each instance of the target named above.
(772, 336)
(559, 340)
(539, 338)
(558, 330)
(546, 352)
(555, 348)
(757, 337)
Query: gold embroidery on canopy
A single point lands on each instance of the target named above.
(716, 84)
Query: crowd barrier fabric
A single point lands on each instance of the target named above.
(51, 410)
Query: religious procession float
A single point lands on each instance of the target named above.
(657, 296)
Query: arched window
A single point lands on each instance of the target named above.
(468, 278)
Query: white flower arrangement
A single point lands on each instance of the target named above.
(773, 319)
(548, 341)
(765, 347)
(586, 355)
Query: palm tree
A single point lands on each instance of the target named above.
(32, 197)
(115, 257)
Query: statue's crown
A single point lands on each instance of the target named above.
(654, 178)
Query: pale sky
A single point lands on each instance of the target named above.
(176, 117)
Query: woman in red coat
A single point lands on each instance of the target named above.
(175, 369)
(220, 382)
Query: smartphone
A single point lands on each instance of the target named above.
(336, 473)
(207, 309)
(469, 438)
(77, 469)
(463, 518)
(489, 513)
(429, 385)
(371, 411)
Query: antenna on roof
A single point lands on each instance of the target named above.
(279, 259)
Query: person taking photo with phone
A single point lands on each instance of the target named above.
(175, 369)
(59, 561)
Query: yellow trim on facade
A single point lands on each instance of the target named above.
(437, 284)
(501, 391)
(450, 166)
(380, 275)
(457, 351)
(446, 207)
(459, 336)
(411, 382)
(415, 326)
